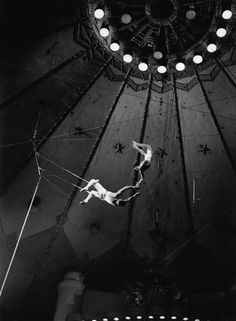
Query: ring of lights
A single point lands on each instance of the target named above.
(144, 37)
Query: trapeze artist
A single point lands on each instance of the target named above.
(146, 162)
(109, 197)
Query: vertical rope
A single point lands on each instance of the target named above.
(184, 170)
(127, 231)
(75, 190)
(19, 237)
(223, 141)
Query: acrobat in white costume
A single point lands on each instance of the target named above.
(146, 162)
(104, 195)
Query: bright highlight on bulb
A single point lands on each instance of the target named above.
(127, 318)
(116, 319)
(114, 46)
(227, 14)
(104, 32)
(162, 317)
(173, 317)
(99, 13)
(161, 69)
(143, 66)
(180, 66)
(197, 59)
(105, 319)
(150, 317)
(139, 317)
(127, 58)
(211, 47)
(185, 319)
(221, 32)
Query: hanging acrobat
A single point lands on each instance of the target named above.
(104, 195)
(146, 162)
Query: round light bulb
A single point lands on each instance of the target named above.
(99, 13)
(116, 319)
(143, 66)
(161, 69)
(150, 317)
(185, 319)
(180, 66)
(105, 319)
(114, 46)
(211, 47)
(190, 14)
(197, 59)
(162, 317)
(127, 318)
(173, 317)
(221, 32)
(126, 18)
(227, 14)
(197, 320)
(104, 32)
(157, 54)
(127, 58)
(139, 317)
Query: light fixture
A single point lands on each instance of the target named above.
(157, 54)
(211, 47)
(173, 317)
(127, 58)
(227, 14)
(221, 32)
(190, 14)
(126, 18)
(139, 317)
(104, 32)
(116, 319)
(197, 59)
(99, 13)
(185, 319)
(114, 46)
(162, 317)
(197, 320)
(150, 317)
(180, 66)
(127, 318)
(104, 319)
(162, 69)
(142, 66)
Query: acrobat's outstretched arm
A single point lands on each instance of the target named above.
(137, 147)
(129, 198)
(120, 191)
(90, 183)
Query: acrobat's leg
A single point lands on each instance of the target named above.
(90, 195)
(90, 183)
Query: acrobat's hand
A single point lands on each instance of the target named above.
(83, 189)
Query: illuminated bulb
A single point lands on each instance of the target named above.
(139, 317)
(127, 318)
(114, 46)
(99, 13)
(143, 66)
(173, 317)
(127, 58)
(185, 319)
(227, 14)
(126, 18)
(221, 32)
(197, 59)
(116, 319)
(104, 32)
(162, 317)
(211, 47)
(180, 66)
(150, 317)
(161, 69)
(105, 319)
(197, 320)
(157, 54)
(190, 14)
